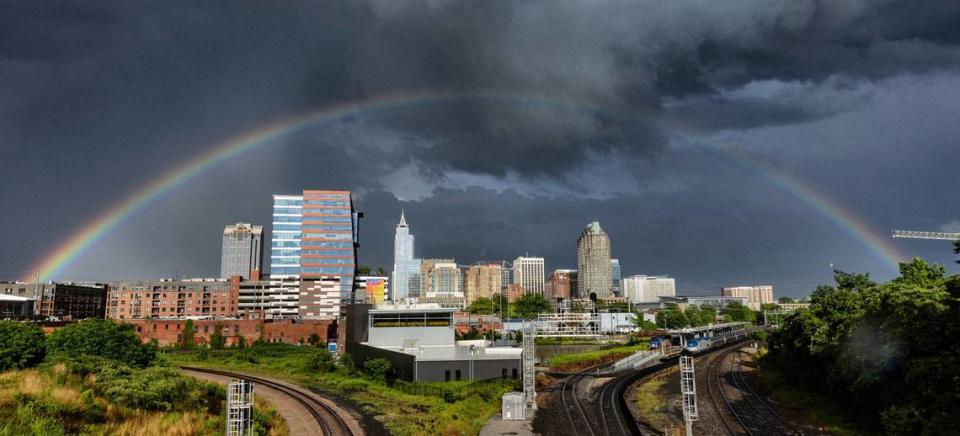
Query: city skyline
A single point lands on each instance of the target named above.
(718, 157)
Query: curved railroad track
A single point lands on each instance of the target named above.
(331, 423)
(741, 409)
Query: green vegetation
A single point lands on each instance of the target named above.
(22, 345)
(737, 312)
(650, 406)
(529, 305)
(458, 411)
(482, 306)
(99, 379)
(672, 317)
(597, 357)
(885, 349)
(104, 338)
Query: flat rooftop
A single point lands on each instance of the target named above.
(456, 352)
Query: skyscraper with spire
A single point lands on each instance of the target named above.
(406, 268)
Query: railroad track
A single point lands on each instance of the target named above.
(572, 407)
(330, 422)
(740, 408)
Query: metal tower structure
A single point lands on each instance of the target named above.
(239, 408)
(529, 373)
(688, 388)
(915, 234)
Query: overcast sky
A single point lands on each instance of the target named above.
(635, 113)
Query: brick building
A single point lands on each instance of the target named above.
(65, 301)
(167, 298)
(170, 332)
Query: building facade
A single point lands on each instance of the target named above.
(593, 262)
(615, 273)
(294, 332)
(648, 289)
(560, 285)
(756, 295)
(64, 301)
(406, 267)
(172, 299)
(372, 290)
(528, 272)
(313, 245)
(482, 281)
(242, 251)
(441, 279)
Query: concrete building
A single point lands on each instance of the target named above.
(61, 300)
(419, 340)
(561, 284)
(173, 299)
(756, 295)
(715, 301)
(648, 289)
(506, 275)
(267, 299)
(441, 282)
(242, 251)
(406, 267)
(15, 307)
(615, 273)
(372, 289)
(529, 273)
(313, 247)
(482, 280)
(593, 262)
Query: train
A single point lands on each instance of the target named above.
(702, 345)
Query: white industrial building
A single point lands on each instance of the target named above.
(648, 289)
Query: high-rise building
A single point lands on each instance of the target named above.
(593, 262)
(313, 249)
(648, 289)
(528, 273)
(440, 278)
(506, 276)
(242, 251)
(482, 280)
(406, 268)
(615, 272)
(756, 295)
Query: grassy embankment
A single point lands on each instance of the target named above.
(576, 361)
(824, 412)
(51, 400)
(400, 413)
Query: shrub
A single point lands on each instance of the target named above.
(104, 338)
(157, 388)
(21, 345)
(321, 361)
(378, 368)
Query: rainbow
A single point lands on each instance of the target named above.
(54, 263)
(856, 227)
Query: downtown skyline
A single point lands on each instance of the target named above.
(732, 154)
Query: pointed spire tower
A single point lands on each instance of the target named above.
(406, 268)
(403, 220)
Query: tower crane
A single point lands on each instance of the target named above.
(914, 234)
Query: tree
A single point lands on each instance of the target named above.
(481, 306)
(381, 271)
(363, 270)
(216, 339)
(21, 345)
(100, 337)
(739, 313)
(921, 274)
(314, 339)
(529, 305)
(708, 315)
(672, 318)
(693, 316)
(643, 324)
(321, 361)
(188, 333)
(500, 304)
(785, 300)
(378, 368)
(769, 307)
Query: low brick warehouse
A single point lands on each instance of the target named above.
(170, 332)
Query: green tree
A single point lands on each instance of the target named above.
(314, 339)
(783, 300)
(482, 306)
(693, 316)
(769, 307)
(529, 305)
(21, 345)
(672, 318)
(708, 315)
(216, 339)
(921, 274)
(363, 270)
(739, 313)
(643, 324)
(381, 271)
(100, 337)
(378, 368)
(188, 333)
(321, 361)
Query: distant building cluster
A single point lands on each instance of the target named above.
(756, 295)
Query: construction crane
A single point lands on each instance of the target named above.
(914, 234)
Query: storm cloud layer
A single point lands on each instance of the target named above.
(553, 114)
